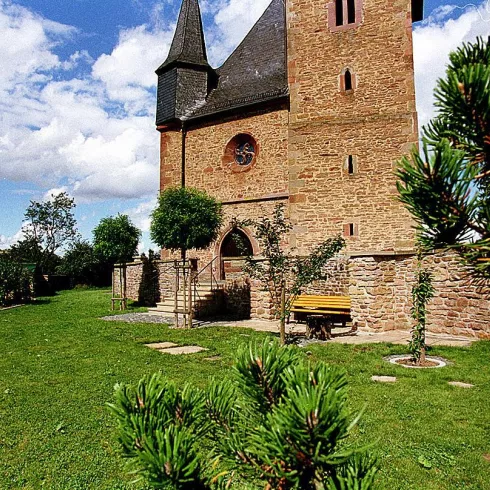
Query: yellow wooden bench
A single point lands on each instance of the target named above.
(322, 312)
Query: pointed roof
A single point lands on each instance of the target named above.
(188, 45)
(257, 70)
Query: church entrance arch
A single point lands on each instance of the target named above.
(235, 244)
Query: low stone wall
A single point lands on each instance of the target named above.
(147, 282)
(379, 286)
(380, 290)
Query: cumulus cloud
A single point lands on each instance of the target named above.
(140, 215)
(93, 134)
(7, 241)
(434, 39)
(128, 72)
(233, 19)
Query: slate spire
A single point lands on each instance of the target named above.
(188, 46)
(185, 78)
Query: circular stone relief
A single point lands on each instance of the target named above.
(241, 152)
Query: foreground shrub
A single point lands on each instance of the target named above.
(15, 282)
(278, 423)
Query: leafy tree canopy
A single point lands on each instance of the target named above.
(50, 226)
(184, 219)
(447, 187)
(116, 239)
(82, 264)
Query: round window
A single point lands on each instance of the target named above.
(241, 152)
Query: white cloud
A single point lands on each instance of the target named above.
(128, 72)
(233, 20)
(94, 135)
(8, 241)
(434, 39)
(140, 215)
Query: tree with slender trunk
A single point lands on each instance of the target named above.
(282, 274)
(185, 218)
(50, 225)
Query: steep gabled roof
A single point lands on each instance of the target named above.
(188, 46)
(257, 70)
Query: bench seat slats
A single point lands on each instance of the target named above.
(324, 305)
(328, 312)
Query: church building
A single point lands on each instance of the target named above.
(313, 110)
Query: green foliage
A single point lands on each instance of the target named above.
(50, 225)
(279, 420)
(184, 219)
(28, 251)
(15, 282)
(422, 293)
(83, 265)
(448, 189)
(281, 269)
(116, 239)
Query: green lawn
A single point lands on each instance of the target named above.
(59, 363)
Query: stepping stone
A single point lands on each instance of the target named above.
(460, 385)
(161, 345)
(213, 358)
(383, 379)
(185, 349)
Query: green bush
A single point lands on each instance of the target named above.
(15, 282)
(279, 423)
(185, 219)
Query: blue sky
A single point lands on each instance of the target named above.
(77, 94)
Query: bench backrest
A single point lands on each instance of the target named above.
(312, 301)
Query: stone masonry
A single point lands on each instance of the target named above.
(324, 148)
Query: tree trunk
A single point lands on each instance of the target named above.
(282, 327)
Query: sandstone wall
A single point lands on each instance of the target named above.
(376, 123)
(146, 282)
(380, 289)
(206, 169)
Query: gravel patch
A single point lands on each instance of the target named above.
(139, 318)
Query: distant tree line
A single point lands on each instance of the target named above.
(52, 245)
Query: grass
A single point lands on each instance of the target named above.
(59, 363)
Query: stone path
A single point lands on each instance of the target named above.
(175, 349)
(361, 337)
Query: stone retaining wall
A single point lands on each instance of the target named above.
(380, 290)
(379, 286)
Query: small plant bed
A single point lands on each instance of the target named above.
(409, 362)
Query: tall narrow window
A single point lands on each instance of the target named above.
(344, 14)
(351, 11)
(339, 12)
(348, 80)
(350, 164)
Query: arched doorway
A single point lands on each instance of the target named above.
(234, 245)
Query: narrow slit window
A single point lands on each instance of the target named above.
(348, 80)
(350, 164)
(339, 12)
(351, 229)
(351, 11)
